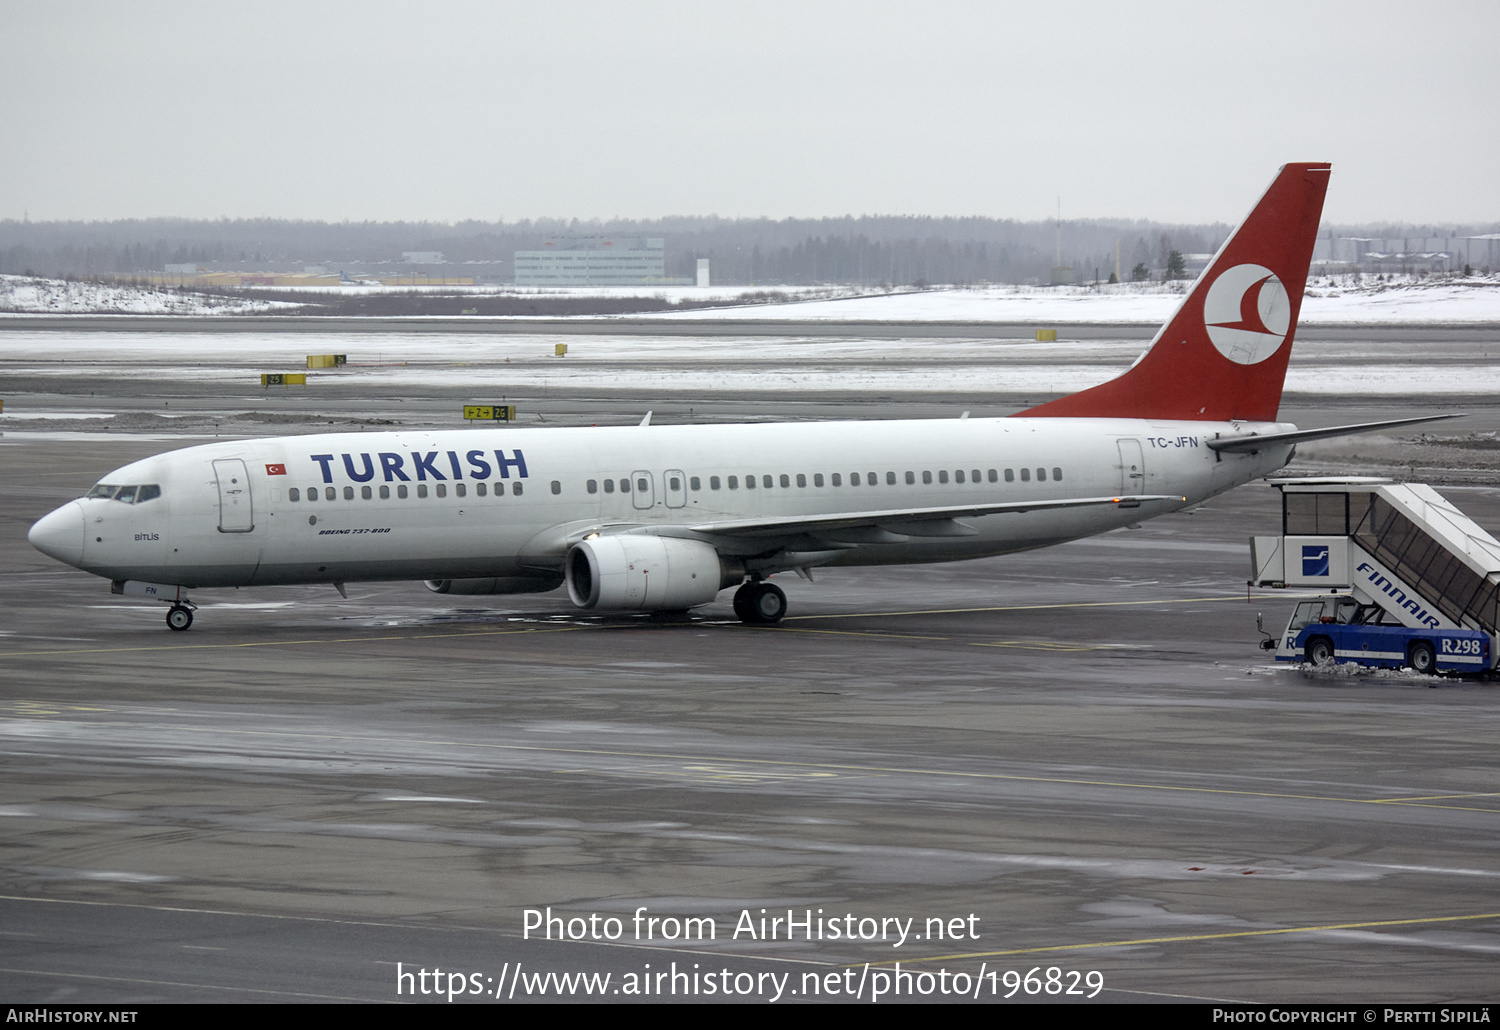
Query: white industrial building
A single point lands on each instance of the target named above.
(597, 261)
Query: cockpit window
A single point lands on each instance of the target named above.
(128, 494)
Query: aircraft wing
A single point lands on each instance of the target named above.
(907, 521)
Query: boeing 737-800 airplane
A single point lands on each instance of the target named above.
(664, 517)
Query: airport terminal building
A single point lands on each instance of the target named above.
(597, 261)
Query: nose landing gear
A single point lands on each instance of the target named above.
(179, 616)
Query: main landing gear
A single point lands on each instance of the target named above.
(759, 603)
(179, 616)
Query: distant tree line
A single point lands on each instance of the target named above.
(866, 250)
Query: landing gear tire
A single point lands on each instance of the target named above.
(742, 602)
(759, 604)
(1422, 658)
(1319, 653)
(179, 617)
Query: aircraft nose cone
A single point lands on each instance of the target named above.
(60, 534)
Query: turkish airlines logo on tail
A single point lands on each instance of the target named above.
(1247, 314)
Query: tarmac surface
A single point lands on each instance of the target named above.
(1075, 759)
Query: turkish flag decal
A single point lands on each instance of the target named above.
(275, 470)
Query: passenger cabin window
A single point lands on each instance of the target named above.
(765, 481)
(713, 482)
(695, 484)
(943, 475)
(1010, 475)
(459, 489)
(516, 489)
(958, 476)
(556, 487)
(312, 493)
(734, 482)
(401, 491)
(1025, 475)
(1057, 473)
(749, 482)
(364, 493)
(624, 486)
(293, 494)
(421, 489)
(853, 479)
(609, 486)
(592, 486)
(385, 493)
(349, 493)
(1041, 475)
(500, 488)
(890, 478)
(817, 479)
(480, 488)
(835, 480)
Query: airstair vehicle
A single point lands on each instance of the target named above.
(1408, 579)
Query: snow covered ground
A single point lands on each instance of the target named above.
(1405, 300)
(1398, 300)
(19, 294)
(524, 364)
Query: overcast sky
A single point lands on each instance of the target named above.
(364, 110)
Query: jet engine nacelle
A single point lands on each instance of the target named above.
(650, 573)
(500, 585)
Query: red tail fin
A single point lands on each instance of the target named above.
(1223, 355)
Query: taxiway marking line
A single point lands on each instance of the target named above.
(852, 633)
(180, 983)
(1033, 607)
(1199, 937)
(1445, 797)
(293, 643)
(617, 626)
(838, 767)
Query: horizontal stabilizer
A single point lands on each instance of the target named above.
(1255, 441)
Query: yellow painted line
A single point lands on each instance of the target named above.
(1194, 937)
(293, 643)
(1037, 607)
(712, 760)
(623, 626)
(1046, 645)
(1445, 797)
(181, 983)
(850, 633)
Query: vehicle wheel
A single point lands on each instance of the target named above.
(1320, 652)
(179, 618)
(1421, 658)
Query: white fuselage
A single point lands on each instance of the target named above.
(226, 514)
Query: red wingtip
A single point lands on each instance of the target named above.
(1223, 355)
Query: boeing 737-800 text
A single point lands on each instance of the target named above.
(665, 517)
